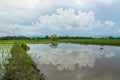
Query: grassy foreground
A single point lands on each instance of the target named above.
(21, 66)
(80, 41)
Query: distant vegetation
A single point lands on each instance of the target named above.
(54, 37)
(61, 39)
(12, 37)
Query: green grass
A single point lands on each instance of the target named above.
(80, 41)
(25, 41)
(93, 41)
(21, 66)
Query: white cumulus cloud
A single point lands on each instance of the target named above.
(19, 10)
(24, 12)
(109, 23)
(69, 19)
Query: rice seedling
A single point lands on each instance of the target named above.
(4, 57)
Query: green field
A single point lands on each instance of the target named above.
(80, 41)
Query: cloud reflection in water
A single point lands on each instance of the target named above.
(66, 58)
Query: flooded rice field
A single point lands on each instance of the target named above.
(77, 62)
(4, 57)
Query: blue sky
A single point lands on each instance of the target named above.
(61, 17)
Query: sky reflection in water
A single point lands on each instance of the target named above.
(71, 60)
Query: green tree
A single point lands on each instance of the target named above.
(46, 37)
(53, 37)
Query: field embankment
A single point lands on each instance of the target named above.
(21, 66)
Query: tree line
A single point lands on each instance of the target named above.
(49, 37)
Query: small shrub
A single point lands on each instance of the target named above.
(25, 47)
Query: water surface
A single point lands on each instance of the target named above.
(76, 61)
(4, 56)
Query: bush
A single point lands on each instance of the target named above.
(25, 47)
